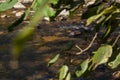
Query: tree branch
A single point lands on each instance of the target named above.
(117, 38)
(83, 50)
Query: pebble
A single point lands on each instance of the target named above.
(14, 12)
(19, 14)
(19, 6)
(46, 18)
(63, 15)
(3, 16)
(89, 2)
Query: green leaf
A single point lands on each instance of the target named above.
(7, 5)
(91, 11)
(52, 61)
(83, 68)
(53, 1)
(93, 18)
(101, 56)
(49, 11)
(63, 72)
(107, 31)
(68, 77)
(115, 63)
(104, 12)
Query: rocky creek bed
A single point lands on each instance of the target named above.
(50, 38)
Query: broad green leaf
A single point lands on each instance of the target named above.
(7, 5)
(109, 10)
(101, 56)
(53, 1)
(91, 11)
(49, 11)
(115, 63)
(93, 18)
(83, 68)
(63, 72)
(68, 77)
(52, 61)
(104, 12)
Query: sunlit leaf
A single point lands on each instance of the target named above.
(63, 72)
(68, 77)
(115, 63)
(7, 5)
(104, 12)
(101, 56)
(83, 68)
(91, 11)
(93, 18)
(52, 61)
(53, 1)
(49, 11)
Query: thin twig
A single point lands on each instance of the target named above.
(117, 38)
(78, 47)
(83, 50)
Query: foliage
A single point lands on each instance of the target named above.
(64, 73)
(52, 61)
(7, 5)
(101, 56)
(102, 16)
(83, 68)
(116, 62)
(98, 13)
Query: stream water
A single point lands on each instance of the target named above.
(50, 38)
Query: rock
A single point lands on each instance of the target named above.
(63, 15)
(46, 18)
(19, 6)
(89, 2)
(19, 14)
(3, 16)
(116, 75)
